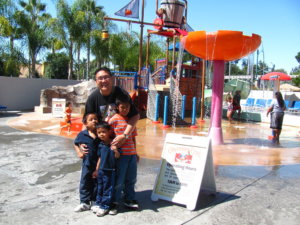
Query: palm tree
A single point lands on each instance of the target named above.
(69, 29)
(124, 50)
(32, 20)
(8, 26)
(92, 24)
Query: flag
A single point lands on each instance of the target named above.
(130, 10)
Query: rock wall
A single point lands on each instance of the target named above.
(76, 94)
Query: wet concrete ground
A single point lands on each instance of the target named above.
(39, 177)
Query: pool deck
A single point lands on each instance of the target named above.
(257, 182)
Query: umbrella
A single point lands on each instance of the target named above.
(275, 76)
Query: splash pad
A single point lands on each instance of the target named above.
(219, 47)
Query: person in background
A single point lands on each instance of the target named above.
(237, 104)
(229, 108)
(68, 116)
(276, 109)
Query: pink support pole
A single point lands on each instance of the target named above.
(215, 132)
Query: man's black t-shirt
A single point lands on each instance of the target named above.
(96, 103)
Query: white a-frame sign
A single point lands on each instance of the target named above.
(186, 168)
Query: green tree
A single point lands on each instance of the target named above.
(57, 66)
(12, 58)
(156, 52)
(92, 24)
(100, 49)
(32, 20)
(296, 70)
(11, 61)
(296, 81)
(67, 30)
(298, 57)
(124, 50)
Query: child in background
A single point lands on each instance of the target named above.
(229, 108)
(88, 185)
(127, 163)
(105, 171)
(68, 113)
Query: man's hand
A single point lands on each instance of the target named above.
(84, 149)
(119, 140)
(81, 150)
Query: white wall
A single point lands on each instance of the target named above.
(287, 95)
(24, 93)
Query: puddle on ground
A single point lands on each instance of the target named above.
(55, 175)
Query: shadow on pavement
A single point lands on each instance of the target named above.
(205, 201)
(10, 114)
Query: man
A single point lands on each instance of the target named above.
(102, 102)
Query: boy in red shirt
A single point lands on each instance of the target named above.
(127, 163)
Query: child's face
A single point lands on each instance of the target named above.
(103, 134)
(91, 122)
(123, 109)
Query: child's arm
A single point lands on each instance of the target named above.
(115, 149)
(95, 173)
(79, 153)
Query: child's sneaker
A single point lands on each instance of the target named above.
(95, 208)
(102, 212)
(114, 209)
(132, 204)
(82, 207)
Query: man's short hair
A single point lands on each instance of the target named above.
(104, 69)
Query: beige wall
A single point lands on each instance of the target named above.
(24, 93)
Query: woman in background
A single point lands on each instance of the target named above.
(277, 109)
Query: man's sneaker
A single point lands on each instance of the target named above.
(82, 207)
(95, 208)
(114, 209)
(132, 204)
(102, 212)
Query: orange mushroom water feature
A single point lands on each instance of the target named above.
(219, 47)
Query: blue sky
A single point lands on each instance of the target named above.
(276, 21)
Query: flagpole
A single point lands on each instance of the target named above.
(141, 42)
(141, 56)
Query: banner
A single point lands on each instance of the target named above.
(131, 10)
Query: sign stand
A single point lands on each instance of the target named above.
(186, 168)
(58, 107)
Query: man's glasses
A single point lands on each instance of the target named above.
(103, 78)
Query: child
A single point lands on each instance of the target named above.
(127, 163)
(229, 108)
(88, 185)
(105, 170)
(68, 113)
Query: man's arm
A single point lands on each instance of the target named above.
(120, 139)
